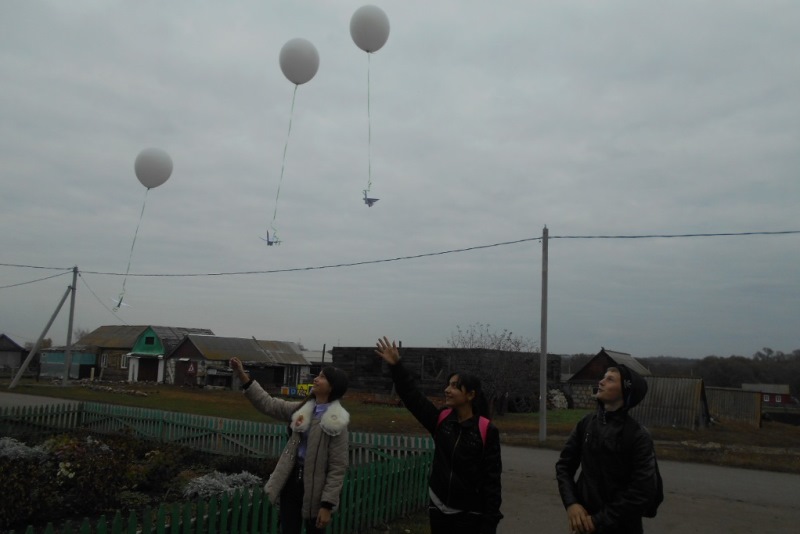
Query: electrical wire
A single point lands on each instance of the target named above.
(37, 280)
(417, 256)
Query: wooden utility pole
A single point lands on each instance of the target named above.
(68, 353)
(543, 349)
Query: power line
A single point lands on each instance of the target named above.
(651, 236)
(37, 280)
(417, 256)
(100, 300)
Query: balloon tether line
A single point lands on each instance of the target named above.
(283, 165)
(130, 254)
(369, 133)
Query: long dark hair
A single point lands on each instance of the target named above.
(469, 382)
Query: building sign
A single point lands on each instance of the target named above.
(304, 389)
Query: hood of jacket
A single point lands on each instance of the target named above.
(333, 421)
(634, 386)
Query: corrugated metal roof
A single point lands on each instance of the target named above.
(628, 361)
(283, 352)
(125, 336)
(112, 336)
(594, 369)
(675, 402)
(775, 389)
(248, 350)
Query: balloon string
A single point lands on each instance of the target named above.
(369, 132)
(283, 164)
(130, 255)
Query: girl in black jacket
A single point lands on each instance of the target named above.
(464, 484)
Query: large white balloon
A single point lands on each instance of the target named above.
(153, 167)
(369, 28)
(299, 60)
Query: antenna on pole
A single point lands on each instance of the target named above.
(543, 349)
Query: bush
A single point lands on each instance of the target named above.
(75, 475)
(216, 483)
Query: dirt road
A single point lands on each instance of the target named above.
(698, 498)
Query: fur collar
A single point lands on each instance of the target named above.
(333, 421)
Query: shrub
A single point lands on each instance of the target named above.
(215, 483)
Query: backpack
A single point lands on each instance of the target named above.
(483, 423)
(628, 436)
(651, 508)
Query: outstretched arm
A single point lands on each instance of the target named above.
(418, 404)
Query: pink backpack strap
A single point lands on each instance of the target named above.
(443, 415)
(483, 426)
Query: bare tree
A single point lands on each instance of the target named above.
(504, 372)
(482, 336)
(78, 333)
(45, 344)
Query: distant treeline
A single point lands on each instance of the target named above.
(764, 367)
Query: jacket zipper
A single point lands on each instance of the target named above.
(452, 457)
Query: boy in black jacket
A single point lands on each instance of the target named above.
(618, 466)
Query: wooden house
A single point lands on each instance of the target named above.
(146, 360)
(112, 346)
(772, 395)
(11, 354)
(200, 360)
(582, 386)
(504, 374)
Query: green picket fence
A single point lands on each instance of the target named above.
(386, 480)
(372, 494)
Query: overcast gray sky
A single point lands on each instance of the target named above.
(489, 121)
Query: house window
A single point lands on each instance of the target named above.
(778, 399)
(150, 340)
(104, 360)
(123, 361)
(766, 397)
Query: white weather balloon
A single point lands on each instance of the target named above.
(369, 28)
(153, 167)
(299, 60)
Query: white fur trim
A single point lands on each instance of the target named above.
(334, 420)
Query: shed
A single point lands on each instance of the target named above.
(83, 362)
(582, 385)
(673, 402)
(731, 404)
(203, 361)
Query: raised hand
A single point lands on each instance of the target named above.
(387, 351)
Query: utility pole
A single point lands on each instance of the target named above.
(543, 350)
(36, 345)
(68, 353)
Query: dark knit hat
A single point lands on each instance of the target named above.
(634, 386)
(338, 381)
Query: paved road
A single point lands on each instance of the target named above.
(20, 399)
(698, 498)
